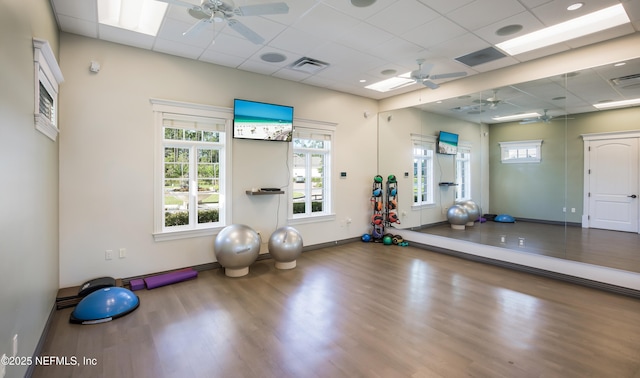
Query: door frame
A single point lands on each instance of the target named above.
(587, 139)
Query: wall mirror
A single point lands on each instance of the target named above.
(550, 191)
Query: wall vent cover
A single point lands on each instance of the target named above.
(308, 65)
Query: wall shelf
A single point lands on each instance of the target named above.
(263, 192)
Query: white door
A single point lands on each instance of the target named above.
(613, 184)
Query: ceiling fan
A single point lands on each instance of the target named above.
(493, 101)
(545, 118)
(423, 75)
(217, 11)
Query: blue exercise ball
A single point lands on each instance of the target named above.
(366, 238)
(104, 305)
(504, 218)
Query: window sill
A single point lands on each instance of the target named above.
(185, 234)
(312, 219)
(423, 206)
(46, 127)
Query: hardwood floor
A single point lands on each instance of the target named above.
(360, 310)
(612, 249)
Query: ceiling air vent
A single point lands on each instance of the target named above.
(480, 57)
(308, 65)
(626, 81)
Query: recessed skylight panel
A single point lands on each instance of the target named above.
(140, 16)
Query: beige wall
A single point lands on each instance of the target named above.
(107, 166)
(29, 184)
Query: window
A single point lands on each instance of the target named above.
(463, 173)
(526, 151)
(48, 78)
(311, 182)
(423, 150)
(192, 171)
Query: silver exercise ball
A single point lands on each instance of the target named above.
(458, 217)
(473, 210)
(285, 245)
(236, 247)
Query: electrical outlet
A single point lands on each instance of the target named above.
(123, 253)
(15, 345)
(108, 254)
(573, 209)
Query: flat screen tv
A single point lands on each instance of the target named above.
(447, 143)
(262, 121)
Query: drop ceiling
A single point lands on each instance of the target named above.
(362, 44)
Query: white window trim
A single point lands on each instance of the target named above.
(329, 215)
(464, 147)
(521, 144)
(431, 141)
(47, 71)
(159, 107)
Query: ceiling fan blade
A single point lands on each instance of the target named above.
(245, 31)
(448, 75)
(528, 121)
(196, 28)
(430, 84)
(262, 9)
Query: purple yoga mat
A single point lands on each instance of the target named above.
(137, 284)
(169, 278)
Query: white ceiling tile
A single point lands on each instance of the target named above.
(258, 67)
(445, 6)
(402, 17)
(125, 37)
(361, 13)
(222, 59)
(79, 26)
(365, 36)
(481, 13)
(398, 50)
(84, 10)
(459, 46)
(434, 33)
(295, 41)
(323, 21)
(529, 24)
(177, 48)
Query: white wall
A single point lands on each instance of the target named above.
(106, 157)
(28, 185)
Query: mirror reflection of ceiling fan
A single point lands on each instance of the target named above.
(480, 105)
(544, 118)
(423, 76)
(218, 11)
